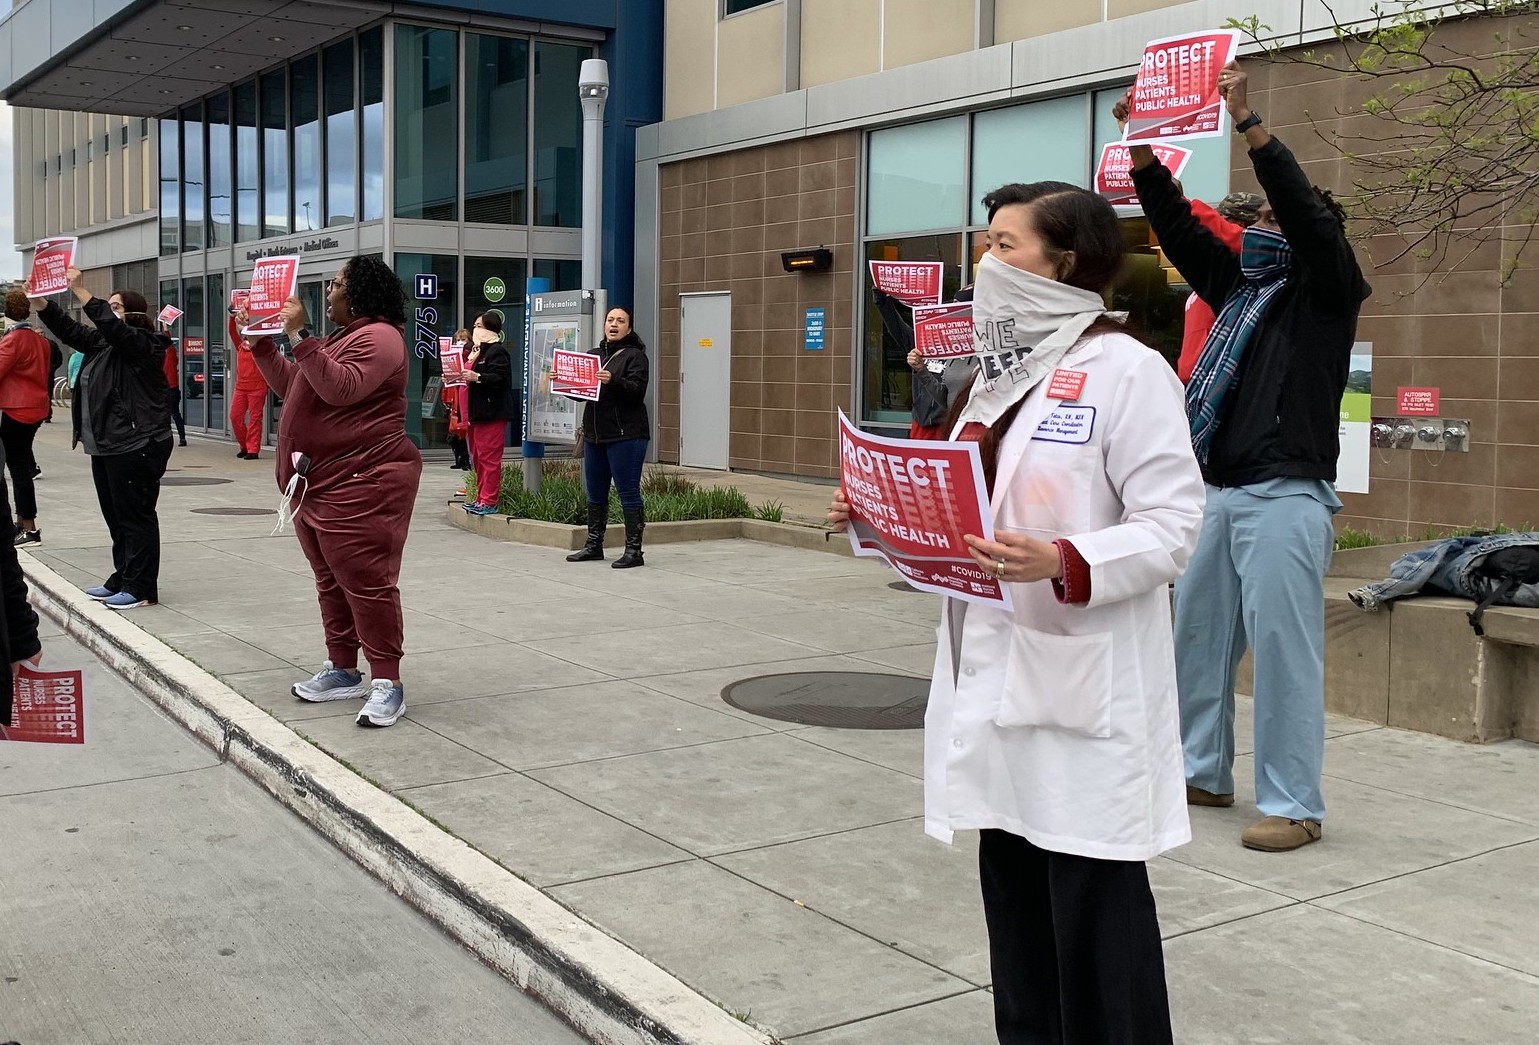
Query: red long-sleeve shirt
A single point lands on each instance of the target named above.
(1199, 317)
(24, 374)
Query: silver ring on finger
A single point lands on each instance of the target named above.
(999, 570)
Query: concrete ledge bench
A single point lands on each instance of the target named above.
(1417, 664)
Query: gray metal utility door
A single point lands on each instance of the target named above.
(705, 379)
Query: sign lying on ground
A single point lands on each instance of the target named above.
(49, 708)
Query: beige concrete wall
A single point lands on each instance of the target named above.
(751, 55)
(840, 39)
(1020, 19)
(919, 30)
(1121, 8)
(689, 48)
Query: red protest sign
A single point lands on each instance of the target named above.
(1418, 402)
(1114, 170)
(944, 331)
(273, 282)
(49, 708)
(911, 500)
(911, 282)
(168, 315)
(51, 261)
(240, 297)
(1176, 93)
(452, 357)
(575, 375)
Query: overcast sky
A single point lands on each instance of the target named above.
(10, 261)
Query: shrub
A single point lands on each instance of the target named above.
(669, 497)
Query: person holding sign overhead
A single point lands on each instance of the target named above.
(1263, 407)
(122, 415)
(1052, 726)
(616, 431)
(489, 388)
(349, 476)
(25, 362)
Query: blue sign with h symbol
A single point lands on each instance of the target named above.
(427, 287)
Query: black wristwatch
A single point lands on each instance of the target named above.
(1253, 120)
(303, 333)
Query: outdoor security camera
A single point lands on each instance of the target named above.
(593, 79)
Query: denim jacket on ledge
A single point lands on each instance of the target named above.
(1446, 568)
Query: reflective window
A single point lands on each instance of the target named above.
(305, 110)
(371, 88)
(1206, 176)
(220, 187)
(220, 379)
(248, 164)
(886, 377)
(918, 177)
(557, 135)
(426, 123)
(1040, 141)
(496, 139)
(426, 322)
(170, 188)
(196, 379)
(194, 183)
(275, 155)
(341, 135)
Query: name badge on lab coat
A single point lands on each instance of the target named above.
(1067, 424)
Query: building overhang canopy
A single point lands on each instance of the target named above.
(132, 58)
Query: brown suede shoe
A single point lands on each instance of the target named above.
(1278, 834)
(1196, 796)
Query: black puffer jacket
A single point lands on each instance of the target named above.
(621, 410)
(1283, 414)
(124, 376)
(491, 396)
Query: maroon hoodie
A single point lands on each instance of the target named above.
(344, 406)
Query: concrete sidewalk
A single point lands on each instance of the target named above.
(566, 720)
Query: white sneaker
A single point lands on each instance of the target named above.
(331, 683)
(387, 703)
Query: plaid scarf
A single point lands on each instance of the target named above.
(1266, 261)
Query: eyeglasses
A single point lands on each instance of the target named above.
(337, 284)
(115, 306)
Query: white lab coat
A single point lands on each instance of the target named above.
(1059, 722)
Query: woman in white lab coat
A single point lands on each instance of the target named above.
(1052, 728)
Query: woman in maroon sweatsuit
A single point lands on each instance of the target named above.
(344, 410)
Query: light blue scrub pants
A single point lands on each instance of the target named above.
(1257, 577)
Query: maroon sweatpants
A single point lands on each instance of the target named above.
(353, 533)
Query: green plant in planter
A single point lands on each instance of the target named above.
(669, 497)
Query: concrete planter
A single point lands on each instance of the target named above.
(1370, 563)
(570, 538)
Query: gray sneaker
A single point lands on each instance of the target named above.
(332, 683)
(387, 703)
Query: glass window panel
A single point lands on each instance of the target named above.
(426, 322)
(170, 188)
(732, 7)
(305, 107)
(1041, 141)
(341, 135)
(918, 177)
(1206, 176)
(557, 135)
(220, 189)
(885, 373)
(194, 182)
(248, 164)
(220, 378)
(275, 155)
(496, 132)
(195, 372)
(371, 84)
(426, 123)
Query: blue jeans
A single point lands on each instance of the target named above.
(1257, 578)
(619, 461)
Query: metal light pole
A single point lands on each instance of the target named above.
(593, 90)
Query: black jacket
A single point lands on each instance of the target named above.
(491, 397)
(123, 374)
(621, 410)
(18, 635)
(1282, 416)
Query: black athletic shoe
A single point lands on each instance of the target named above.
(28, 537)
(37, 470)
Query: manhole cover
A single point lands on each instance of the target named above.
(841, 699)
(191, 480)
(231, 511)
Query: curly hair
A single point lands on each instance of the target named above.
(373, 290)
(17, 307)
(1331, 205)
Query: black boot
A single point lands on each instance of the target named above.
(635, 522)
(598, 522)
